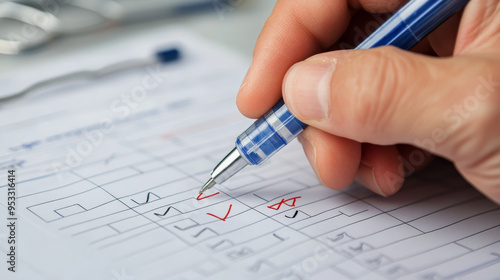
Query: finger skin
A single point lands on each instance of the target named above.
(384, 162)
(382, 169)
(377, 94)
(335, 160)
(295, 30)
(388, 96)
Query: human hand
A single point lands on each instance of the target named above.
(362, 105)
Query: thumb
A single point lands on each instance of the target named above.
(382, 96)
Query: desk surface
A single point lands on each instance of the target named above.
(237, 28)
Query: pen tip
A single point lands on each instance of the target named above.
(210, 183)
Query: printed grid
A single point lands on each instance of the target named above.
(358, 234)
(134, 201)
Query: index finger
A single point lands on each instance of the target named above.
(295, 30)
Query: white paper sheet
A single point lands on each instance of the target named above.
(108, 176)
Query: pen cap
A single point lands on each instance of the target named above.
(412, 23)
(269, 134)
(426, 15)
(168, 55)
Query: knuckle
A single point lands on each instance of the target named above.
(377, 87)
(483, 102)
(477, 116)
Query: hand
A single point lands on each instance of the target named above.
(375, 115)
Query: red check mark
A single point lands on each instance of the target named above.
(222, 219)
(200, 198)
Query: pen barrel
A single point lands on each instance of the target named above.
(407, 27)
(269, 134)
(413, 22)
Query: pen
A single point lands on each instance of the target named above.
(162, 56)
(278, 127)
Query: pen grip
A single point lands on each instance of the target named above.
(403, 30)
(412, 23)
(269, 134)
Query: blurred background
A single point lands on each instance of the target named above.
(35, 31)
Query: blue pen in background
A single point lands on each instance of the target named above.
(279, 127)
(162, 56)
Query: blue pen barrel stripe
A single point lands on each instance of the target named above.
(269, 134)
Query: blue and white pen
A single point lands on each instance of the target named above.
(278, 127)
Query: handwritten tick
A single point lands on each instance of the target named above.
(339, 237)
(294, 215)
(222, 219)
(200, 198)
(147, 198)
(161, 215)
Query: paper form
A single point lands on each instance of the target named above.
(108, 189)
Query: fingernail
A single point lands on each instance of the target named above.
(366, 177)
(310, 152)
(244, 82)
(307, 89)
